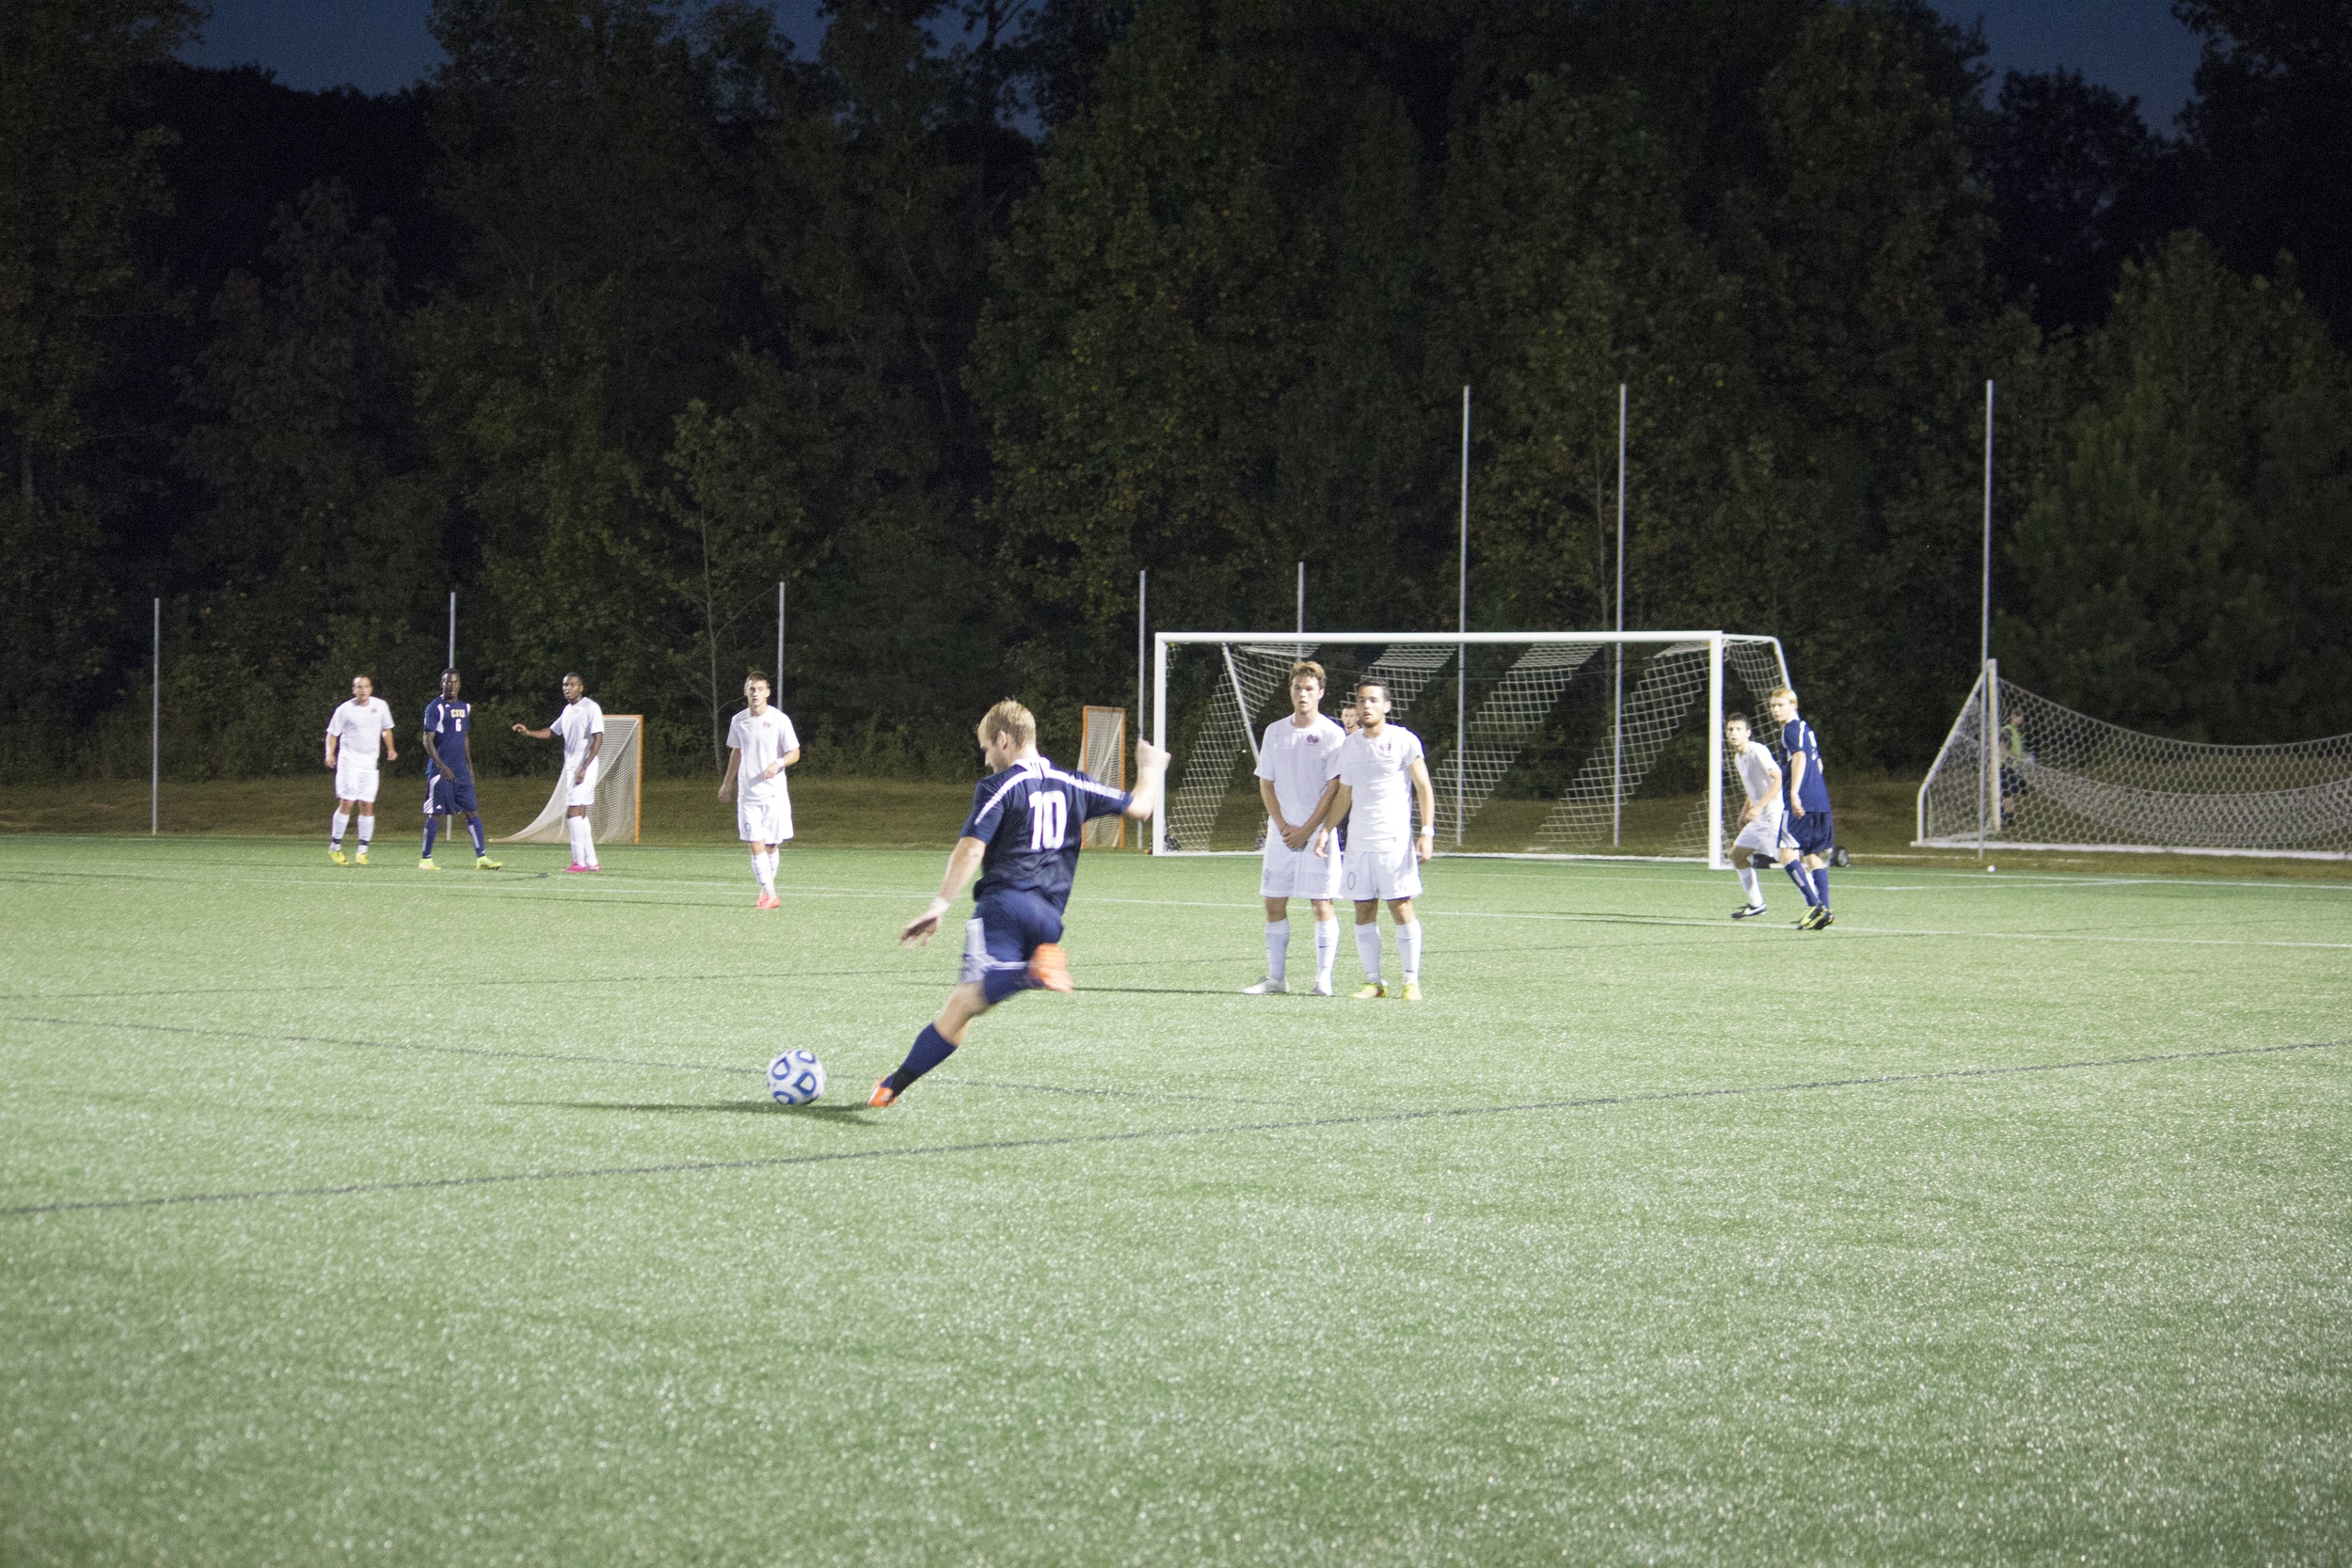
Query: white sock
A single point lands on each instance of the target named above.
(759, 870)
(338, 822)
(367, 829)
(774, 857)
(1278, 948)
(587, 842)
(1747, 885)
(1368, 949)
(1408, 950)
(1327, 949)
(572, 826)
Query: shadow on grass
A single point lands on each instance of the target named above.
(736, 1107)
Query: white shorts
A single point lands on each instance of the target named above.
(582, 794)
(763, 821)
(1382, 871)
(1289, 873)
(355, 777)
(1766, 833)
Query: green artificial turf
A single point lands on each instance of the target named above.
(362, 1216)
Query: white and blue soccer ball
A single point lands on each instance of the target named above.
(796, 1078)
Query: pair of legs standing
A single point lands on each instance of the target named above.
(584, 841)
(345, 811)
(1278, 943)
(1407, 945)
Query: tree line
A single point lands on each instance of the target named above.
(631, 312)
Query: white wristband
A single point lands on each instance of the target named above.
(939, 905)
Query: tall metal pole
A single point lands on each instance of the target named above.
(1461, 624)
(778, 686)
(1302, 610)
(1987, 740)
(156, 733)
(1143, 583)
(452, 663)
(1616, 705)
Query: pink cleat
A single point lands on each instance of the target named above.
(576, 866)
(768, 901)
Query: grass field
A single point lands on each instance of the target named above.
(365, 1216)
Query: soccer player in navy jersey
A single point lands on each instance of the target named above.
(1807, 825)
(1023, 839)
(449, 771)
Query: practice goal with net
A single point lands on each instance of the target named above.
(1102, 757)
(1552, 744)
(2056, 779)
(619, 813)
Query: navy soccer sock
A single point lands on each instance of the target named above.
(1820, 880)
(930, 1048)
(473, 825)
(1804, 879)
(432, 827)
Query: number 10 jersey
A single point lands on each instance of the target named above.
(1029, 816)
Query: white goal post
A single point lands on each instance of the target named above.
(618, 815)
(2056, 779)
(1536, 705)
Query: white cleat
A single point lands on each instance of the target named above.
(1323, 988)
(1268, 987)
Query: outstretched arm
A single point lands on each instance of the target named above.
(1150, 776)
(962, 867)
(535, 735)
(1426, 845)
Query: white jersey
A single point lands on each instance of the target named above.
(1299, 763)
(359, 728)
(763, 740)
(1379, 771)
(572, 726)
(1759, 774)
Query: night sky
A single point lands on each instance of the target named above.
(2134, 46)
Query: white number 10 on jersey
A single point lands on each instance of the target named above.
(1049, 821)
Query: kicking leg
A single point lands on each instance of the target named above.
(938, 1042)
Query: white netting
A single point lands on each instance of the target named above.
(1538, 710)
(2059, 779)
(620, 778)
(1512, 714)
(1103, 756)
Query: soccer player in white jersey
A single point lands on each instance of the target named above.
(1382, 776)
(1298, 765)
(359, 728)
(761, 745)
(580, 727)
(1762, 819)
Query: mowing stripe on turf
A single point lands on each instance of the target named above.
(999, 1144)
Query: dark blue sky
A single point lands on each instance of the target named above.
(2134, 46)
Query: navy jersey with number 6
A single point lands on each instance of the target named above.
(1029, 816)
(446, 720)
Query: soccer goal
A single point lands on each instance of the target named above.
(2056, 779)
(619, 813)
(1558, 744)
(1103, 756)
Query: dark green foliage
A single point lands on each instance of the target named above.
(631, 314)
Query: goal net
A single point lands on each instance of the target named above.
(1103, 756)
(2055, 779)
(619, 811)
(1538, 743)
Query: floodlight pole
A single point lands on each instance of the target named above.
(779, 680)
(1302, 610)
(1616, 705)
(1461, 624)
(156, 733)
(452, 662)
(1142, 583)
(1988, 738)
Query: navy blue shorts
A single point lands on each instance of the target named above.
(449, 795)
(1006, 930)
(1811, 833)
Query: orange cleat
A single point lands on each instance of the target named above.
(768, 901)
(1049, 966)
(883, 1095)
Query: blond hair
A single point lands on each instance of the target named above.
(1010, 717)
(1777, 692)
(1308, 667)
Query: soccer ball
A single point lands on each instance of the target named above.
(796, 1078)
